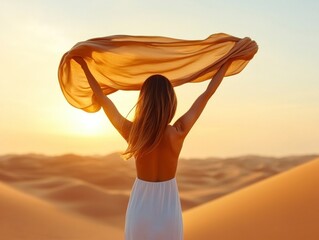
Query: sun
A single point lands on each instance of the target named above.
(88, 124)
(91, 124)
(76, 122)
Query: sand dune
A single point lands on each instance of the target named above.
(285, 206)
(48, 196)
(26, 217)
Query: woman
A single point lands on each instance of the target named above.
(154, 209)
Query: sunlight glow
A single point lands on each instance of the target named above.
(88, 124)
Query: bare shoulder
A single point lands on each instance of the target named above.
(173, 141)
(174, 132)
(171, 129)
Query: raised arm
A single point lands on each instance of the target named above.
(122, 125)
(184, 124)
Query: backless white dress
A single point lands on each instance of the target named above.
(154, 211)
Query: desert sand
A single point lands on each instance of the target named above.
(85, 197)
(285, 206)
(26, 217)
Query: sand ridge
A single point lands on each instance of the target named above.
(285, 206)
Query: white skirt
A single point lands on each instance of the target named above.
(154, 211)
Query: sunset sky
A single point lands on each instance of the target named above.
(270, 108)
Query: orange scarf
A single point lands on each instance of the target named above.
(123, 62)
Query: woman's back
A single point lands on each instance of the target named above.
(154, 209)
(161, 163)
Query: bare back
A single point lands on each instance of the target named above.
(161, 164)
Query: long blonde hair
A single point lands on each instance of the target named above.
(155, 108)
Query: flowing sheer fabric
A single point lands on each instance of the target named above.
(123, 62)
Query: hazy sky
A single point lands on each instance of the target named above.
(271, 108)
